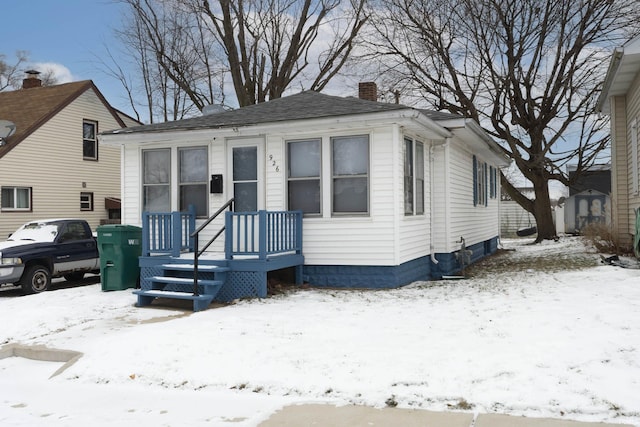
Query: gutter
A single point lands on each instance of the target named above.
(432, 159)
(614, 66)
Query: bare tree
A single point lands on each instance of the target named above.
(529, 71)
(270, 43)
(11, 75)
(170, 56)
(264, 46)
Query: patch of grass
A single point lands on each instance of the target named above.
(504, 261)
(391, 402)
(462, 404)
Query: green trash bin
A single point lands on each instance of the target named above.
(119, 247)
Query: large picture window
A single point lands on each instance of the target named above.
(193, 180)
(303, 168)
(156, 191)
(16, 198)
(89, 140)
(350, 174)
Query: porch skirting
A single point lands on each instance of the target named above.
(380, 277)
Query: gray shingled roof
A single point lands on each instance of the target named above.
(304, 105)
(440, 115)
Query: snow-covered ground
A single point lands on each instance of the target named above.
(537, 342)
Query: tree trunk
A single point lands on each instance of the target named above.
(542, 211)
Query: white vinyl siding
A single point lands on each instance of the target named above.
(54, 150)
(633, 154)
(382, 237)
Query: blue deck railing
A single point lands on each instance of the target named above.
(168, 232)
(256, 234)
(263, 233)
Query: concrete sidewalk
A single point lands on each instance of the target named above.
(320, 415)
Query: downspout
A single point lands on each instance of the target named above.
(432, 159)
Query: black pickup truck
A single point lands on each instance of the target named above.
(40, 250)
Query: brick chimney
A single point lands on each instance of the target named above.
(32, 80)
(368, 91)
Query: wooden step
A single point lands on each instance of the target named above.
(185, 284)
(200, 302)
(190, 267)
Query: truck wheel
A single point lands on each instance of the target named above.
(36, 279)
(72, 277)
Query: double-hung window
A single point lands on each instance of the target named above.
(156, 183)
(350, 174)
(303, 175)
(479, 182)
(193, 180)
(89, 140)
(86, 201)
(413, 177)
(16, 198)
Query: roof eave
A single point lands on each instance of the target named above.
(430, 128)
(616, 59)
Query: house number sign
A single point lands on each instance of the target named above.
(274, 164)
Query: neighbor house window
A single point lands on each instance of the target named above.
(303, 175)
(16, 198)
(89, 140)
(193, 180)
(86, 201)
(479, 182)
(350, 174)
(413, 177)
(156, 184)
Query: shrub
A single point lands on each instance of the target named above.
(602, 237)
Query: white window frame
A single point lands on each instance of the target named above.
(86, 201)
(317, 178)
(167, 184)
(412, 178)
(480, 182)
(93, 141)
(194, 183)
(335, 177)
(15, 198)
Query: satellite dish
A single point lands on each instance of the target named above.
(7, 129)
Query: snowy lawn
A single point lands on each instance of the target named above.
(542, 330)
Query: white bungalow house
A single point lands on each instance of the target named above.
(352, 193)
(620, 99)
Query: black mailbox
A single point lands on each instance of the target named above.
(216, 184)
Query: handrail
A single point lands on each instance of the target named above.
(195, 234)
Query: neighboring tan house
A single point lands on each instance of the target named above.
(52, 165)
(386, 194)
(620, 99)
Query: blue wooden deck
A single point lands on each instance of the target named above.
(255, 243)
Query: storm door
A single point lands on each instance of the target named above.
(246, 174)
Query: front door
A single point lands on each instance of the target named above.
(246, 174)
